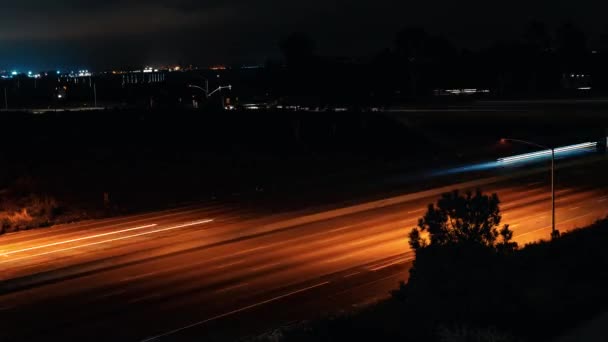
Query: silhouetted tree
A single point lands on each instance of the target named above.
(472, 218)
(457, 276)
(536, 59)
(571, 47)
(506, 245)
(422, 58)
(299, 52)
(298, 49)
(536, 37)
(571, 40)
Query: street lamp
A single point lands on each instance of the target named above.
(554, 232)
(206, 90)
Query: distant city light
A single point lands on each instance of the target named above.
(466, 91)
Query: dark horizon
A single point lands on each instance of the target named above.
(102, 35)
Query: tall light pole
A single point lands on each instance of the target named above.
(95, 94)
(206, 90)
(554, 232)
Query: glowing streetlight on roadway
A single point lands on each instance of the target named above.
(554, 232)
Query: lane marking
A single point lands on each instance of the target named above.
(233, 287)
(139, 276)
(416, 211)
(549, 227)
(396, 262)
(113, 293)
(81, 239)
(233, 312)
(228, 264)
(110, 240)
(141, 299)
(352, 274)
(265, 266)
(603, 199)
(574, 208)
(399, 274)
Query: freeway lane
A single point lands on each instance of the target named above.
(220, 273)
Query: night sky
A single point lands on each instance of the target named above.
(102, 34)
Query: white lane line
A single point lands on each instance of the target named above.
(396, 262)
(352, 274)
(603, 199)
(114, 293)
(549, 227)
(416, 211)
(139, 276)
(263, 267)
(228, 264)
(574, 208)
(80, 239)
(233, 287)
(110, 240)
(368, 283)
(141, 299)
(233, 312)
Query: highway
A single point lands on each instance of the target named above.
(223, 272)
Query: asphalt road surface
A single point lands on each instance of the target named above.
(220, 273)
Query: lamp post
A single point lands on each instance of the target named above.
(206, 90)
(554, 232)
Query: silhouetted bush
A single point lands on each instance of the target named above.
(32, 211)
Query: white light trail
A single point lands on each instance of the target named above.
(110, 240)
(79, 239)
(545, 153)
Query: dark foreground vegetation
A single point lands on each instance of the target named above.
(477, 286)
